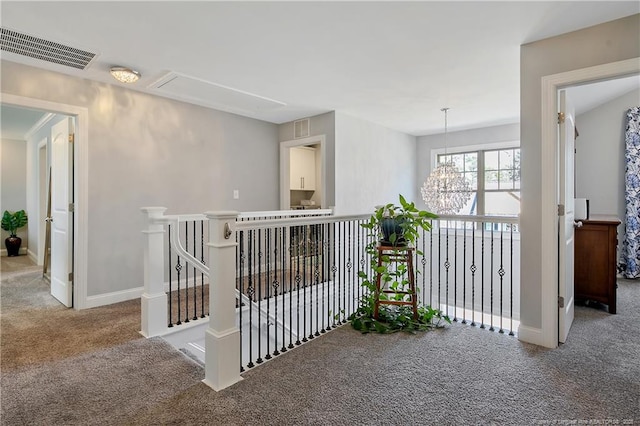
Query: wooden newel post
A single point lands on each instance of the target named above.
(222, 338)
(154, 298)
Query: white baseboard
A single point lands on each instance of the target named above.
(124, 295)
(3, 252)
(33, 257)
(115, 297)
(532, 335)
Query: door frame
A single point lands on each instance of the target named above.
(43, 190)
(80, 187)
(285, 146)
(551, 84)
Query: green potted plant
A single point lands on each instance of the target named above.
(12, 222)
(395, 227)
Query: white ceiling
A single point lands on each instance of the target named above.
(392, 63)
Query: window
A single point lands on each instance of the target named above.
(494, 177)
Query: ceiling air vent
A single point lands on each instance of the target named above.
(301, 128)
(45, 50)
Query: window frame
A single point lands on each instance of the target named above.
(480, 149)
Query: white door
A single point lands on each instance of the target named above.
(566, 221)
(61, 211)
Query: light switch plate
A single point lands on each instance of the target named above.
(236, 194)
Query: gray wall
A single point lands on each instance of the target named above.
(482, 136)
(600, 164)
(373, 165)
(609, 42)
(151, 151)
(13, 178)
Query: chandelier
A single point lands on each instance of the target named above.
(446, 190)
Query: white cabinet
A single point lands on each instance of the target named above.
(302, 168)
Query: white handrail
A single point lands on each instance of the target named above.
(299, 221)
(177, 245)
(478, 218)
(286, 213)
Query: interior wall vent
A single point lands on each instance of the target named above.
(301, 128)
(45, 50)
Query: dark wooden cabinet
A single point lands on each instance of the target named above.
(596, 244)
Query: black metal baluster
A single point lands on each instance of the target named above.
(285, 273)
(276, 286)
(311, 274)
(482, 278)
(331, 273)
(423, 261)
(240, 288)
(291, 240)
(259, 280)
(363, 253)
(491, 279)
(349, 273)
(195, 282)
(178, 269)
(202, 315)
(501, 273)
(511, 333)
(267, 288)
(324, 280)
(455, 272)
(305, 244)
(439, 263)
(446, 267)
(473, 269)
(186, 272)
(298, 279)
(250, 294)
(317, 243)
(431, 263)
(464, 273)
(336, 293)
(170, 282)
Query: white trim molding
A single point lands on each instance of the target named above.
(81, 173)
(285, 197)
(550, 85)
(114, 297)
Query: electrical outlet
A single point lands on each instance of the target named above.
(236, 194)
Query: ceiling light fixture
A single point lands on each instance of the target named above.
(446, 190)
(124, 75)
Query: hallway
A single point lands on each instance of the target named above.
(93, 367)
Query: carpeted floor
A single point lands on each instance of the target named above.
(61, 366)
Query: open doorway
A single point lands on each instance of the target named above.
(71, 260)
(303, 173)
(551, 85)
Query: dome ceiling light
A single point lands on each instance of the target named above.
(124, 74)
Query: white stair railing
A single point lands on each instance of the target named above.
(469, 269)
(155, 321)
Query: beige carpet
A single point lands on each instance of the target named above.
(64, 367)
(35, 328)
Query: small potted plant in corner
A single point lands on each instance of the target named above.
(397, 227)
(12, 222)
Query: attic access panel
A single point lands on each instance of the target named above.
(202, 92)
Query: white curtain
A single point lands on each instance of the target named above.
(630, 259)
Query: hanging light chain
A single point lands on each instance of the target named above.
(446, 191)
